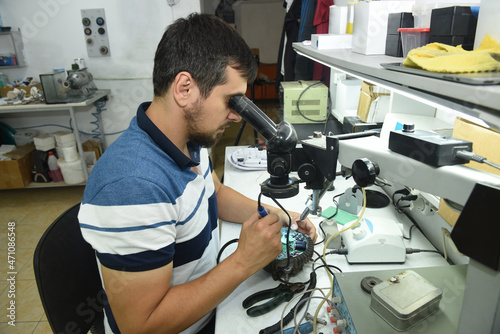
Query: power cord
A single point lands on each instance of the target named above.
(298, 108)
(470, 156)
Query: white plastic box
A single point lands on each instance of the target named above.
(370, 24)
(45, 142)
(331, 41)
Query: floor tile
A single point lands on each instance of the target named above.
(43, 328)
(27, 302)
(19, 328)
(22, 257)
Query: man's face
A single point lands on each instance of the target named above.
(208, 117)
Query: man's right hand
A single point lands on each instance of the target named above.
(260, 241)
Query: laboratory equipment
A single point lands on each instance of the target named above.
(303, 101)
(300, 247)
(375, 240)
(451, 182)
(75, 86)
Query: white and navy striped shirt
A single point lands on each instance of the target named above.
(143, 207)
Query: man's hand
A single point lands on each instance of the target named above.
(260, 241)
(305, 226)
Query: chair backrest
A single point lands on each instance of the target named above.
(67, 277)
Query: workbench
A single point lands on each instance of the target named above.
(232, 317)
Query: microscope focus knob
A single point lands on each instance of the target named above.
(364, 172)
(279, 167)
(307, 172)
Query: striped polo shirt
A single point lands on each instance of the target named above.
(144, 207)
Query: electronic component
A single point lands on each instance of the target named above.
(301, 250)
(378, 240)
(311, 98)
(75, 86)
(428, 147)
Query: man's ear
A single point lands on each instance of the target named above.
(184, 89)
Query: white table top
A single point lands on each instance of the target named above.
(232, 317)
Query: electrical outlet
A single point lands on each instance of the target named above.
(96, 32)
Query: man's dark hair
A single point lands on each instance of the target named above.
(204, 46)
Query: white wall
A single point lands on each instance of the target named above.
(53, 37)
(260, 23)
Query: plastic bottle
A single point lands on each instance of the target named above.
(330, 228)
(54, 170)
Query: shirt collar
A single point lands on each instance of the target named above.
(164, 143)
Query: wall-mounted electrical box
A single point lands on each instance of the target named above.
(95, 32)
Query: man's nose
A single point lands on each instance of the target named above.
(234, 116)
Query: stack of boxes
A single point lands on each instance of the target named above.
(453, 26)
(393, 45)
(69, 158)
(63, 145)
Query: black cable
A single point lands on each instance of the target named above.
(336, 207)
(288, 229)
(470, 156)
(324, 234)
(413, 251)
(325, 264)
(328, 266)
(298, 108)
(277, 326)
(224, 247)
(403, 191)
(290, 283)
(409, 233)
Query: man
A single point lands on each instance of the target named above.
(152, 203)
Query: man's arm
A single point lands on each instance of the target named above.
(144, 302)
(236, 208)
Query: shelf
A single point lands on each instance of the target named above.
(68, 107)
(12, 42)
(34, 107)
(479, 101)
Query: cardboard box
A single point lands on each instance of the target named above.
(368, 94)
(370, 24)
(93, 146)
(16, 173)
(485, 143)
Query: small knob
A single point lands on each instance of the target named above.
(409, 127)
(358, 233)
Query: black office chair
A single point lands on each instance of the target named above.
(67, 277)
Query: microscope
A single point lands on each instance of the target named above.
(315, 159)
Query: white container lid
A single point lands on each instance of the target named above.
(64, 137)
(45, 139)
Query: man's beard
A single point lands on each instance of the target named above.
(193, 116)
